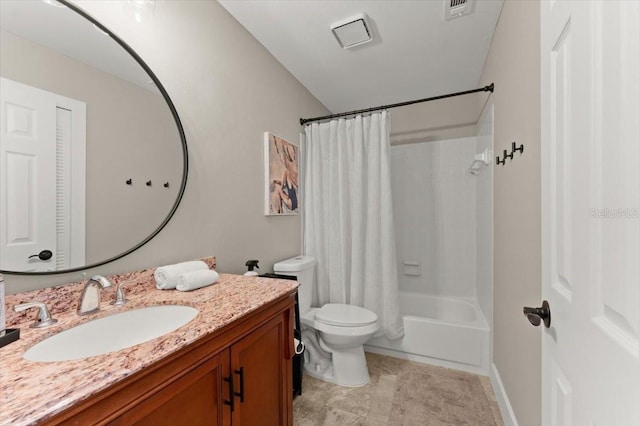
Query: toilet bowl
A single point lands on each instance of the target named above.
(334, 333)
(340, 331)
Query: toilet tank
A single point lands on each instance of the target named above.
(303, 268)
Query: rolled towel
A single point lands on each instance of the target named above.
(196, 279)
(167, 276)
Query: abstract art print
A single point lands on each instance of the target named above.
(281, 176)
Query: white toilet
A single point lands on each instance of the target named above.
(333, 334)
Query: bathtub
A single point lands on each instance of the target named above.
(443, 331)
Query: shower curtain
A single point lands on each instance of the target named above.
(348, 216)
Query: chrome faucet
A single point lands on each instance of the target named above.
(90, 297)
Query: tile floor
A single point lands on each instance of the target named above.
(400, 393)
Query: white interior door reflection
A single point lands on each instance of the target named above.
(42, 179)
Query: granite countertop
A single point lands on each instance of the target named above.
(33, 391)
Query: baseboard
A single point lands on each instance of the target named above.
(508, 416)
(426, 360)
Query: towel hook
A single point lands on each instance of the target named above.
(514, 149)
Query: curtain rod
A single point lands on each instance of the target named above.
(304, 121)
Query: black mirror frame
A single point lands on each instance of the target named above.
(183, 140)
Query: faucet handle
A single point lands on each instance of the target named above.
(121, 298)
(43, 319)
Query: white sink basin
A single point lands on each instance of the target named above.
(112, 333)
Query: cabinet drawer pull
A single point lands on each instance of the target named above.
(231, 401)
(241, 374)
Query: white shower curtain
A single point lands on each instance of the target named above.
(348, 223)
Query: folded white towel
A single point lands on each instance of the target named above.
(196, 279)
(167, 276)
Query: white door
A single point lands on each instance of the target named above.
(590, 56)
(27, 177)
(42, 179)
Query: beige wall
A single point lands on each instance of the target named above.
(513, 65)
(450, 118)
(130, 134)
(228, 90)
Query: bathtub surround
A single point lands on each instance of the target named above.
(484, 221)
(348, 224)
(484, 230)
(400, 393)
(434, 210)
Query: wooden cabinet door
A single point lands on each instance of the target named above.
(261, 366)
(196, 398)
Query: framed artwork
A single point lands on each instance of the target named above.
(280, 176)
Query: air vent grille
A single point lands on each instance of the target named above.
(457, 8)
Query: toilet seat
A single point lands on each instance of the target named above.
(341, 315)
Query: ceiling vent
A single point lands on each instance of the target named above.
(457, 8)
(352, 32)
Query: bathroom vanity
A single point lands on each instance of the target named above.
(231, 365)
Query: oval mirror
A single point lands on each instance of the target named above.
(93, 158)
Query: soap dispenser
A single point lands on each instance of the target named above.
(251, 264)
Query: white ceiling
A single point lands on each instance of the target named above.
(65, 31)
(415, 52)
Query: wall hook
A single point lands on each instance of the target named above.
(514, 149)
(505, 155)
(166, 184)
(129, 181)
(499, 161)
(149, 182)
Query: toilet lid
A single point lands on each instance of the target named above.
(345, 315)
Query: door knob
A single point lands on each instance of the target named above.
(536, 315)
(43, 255)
